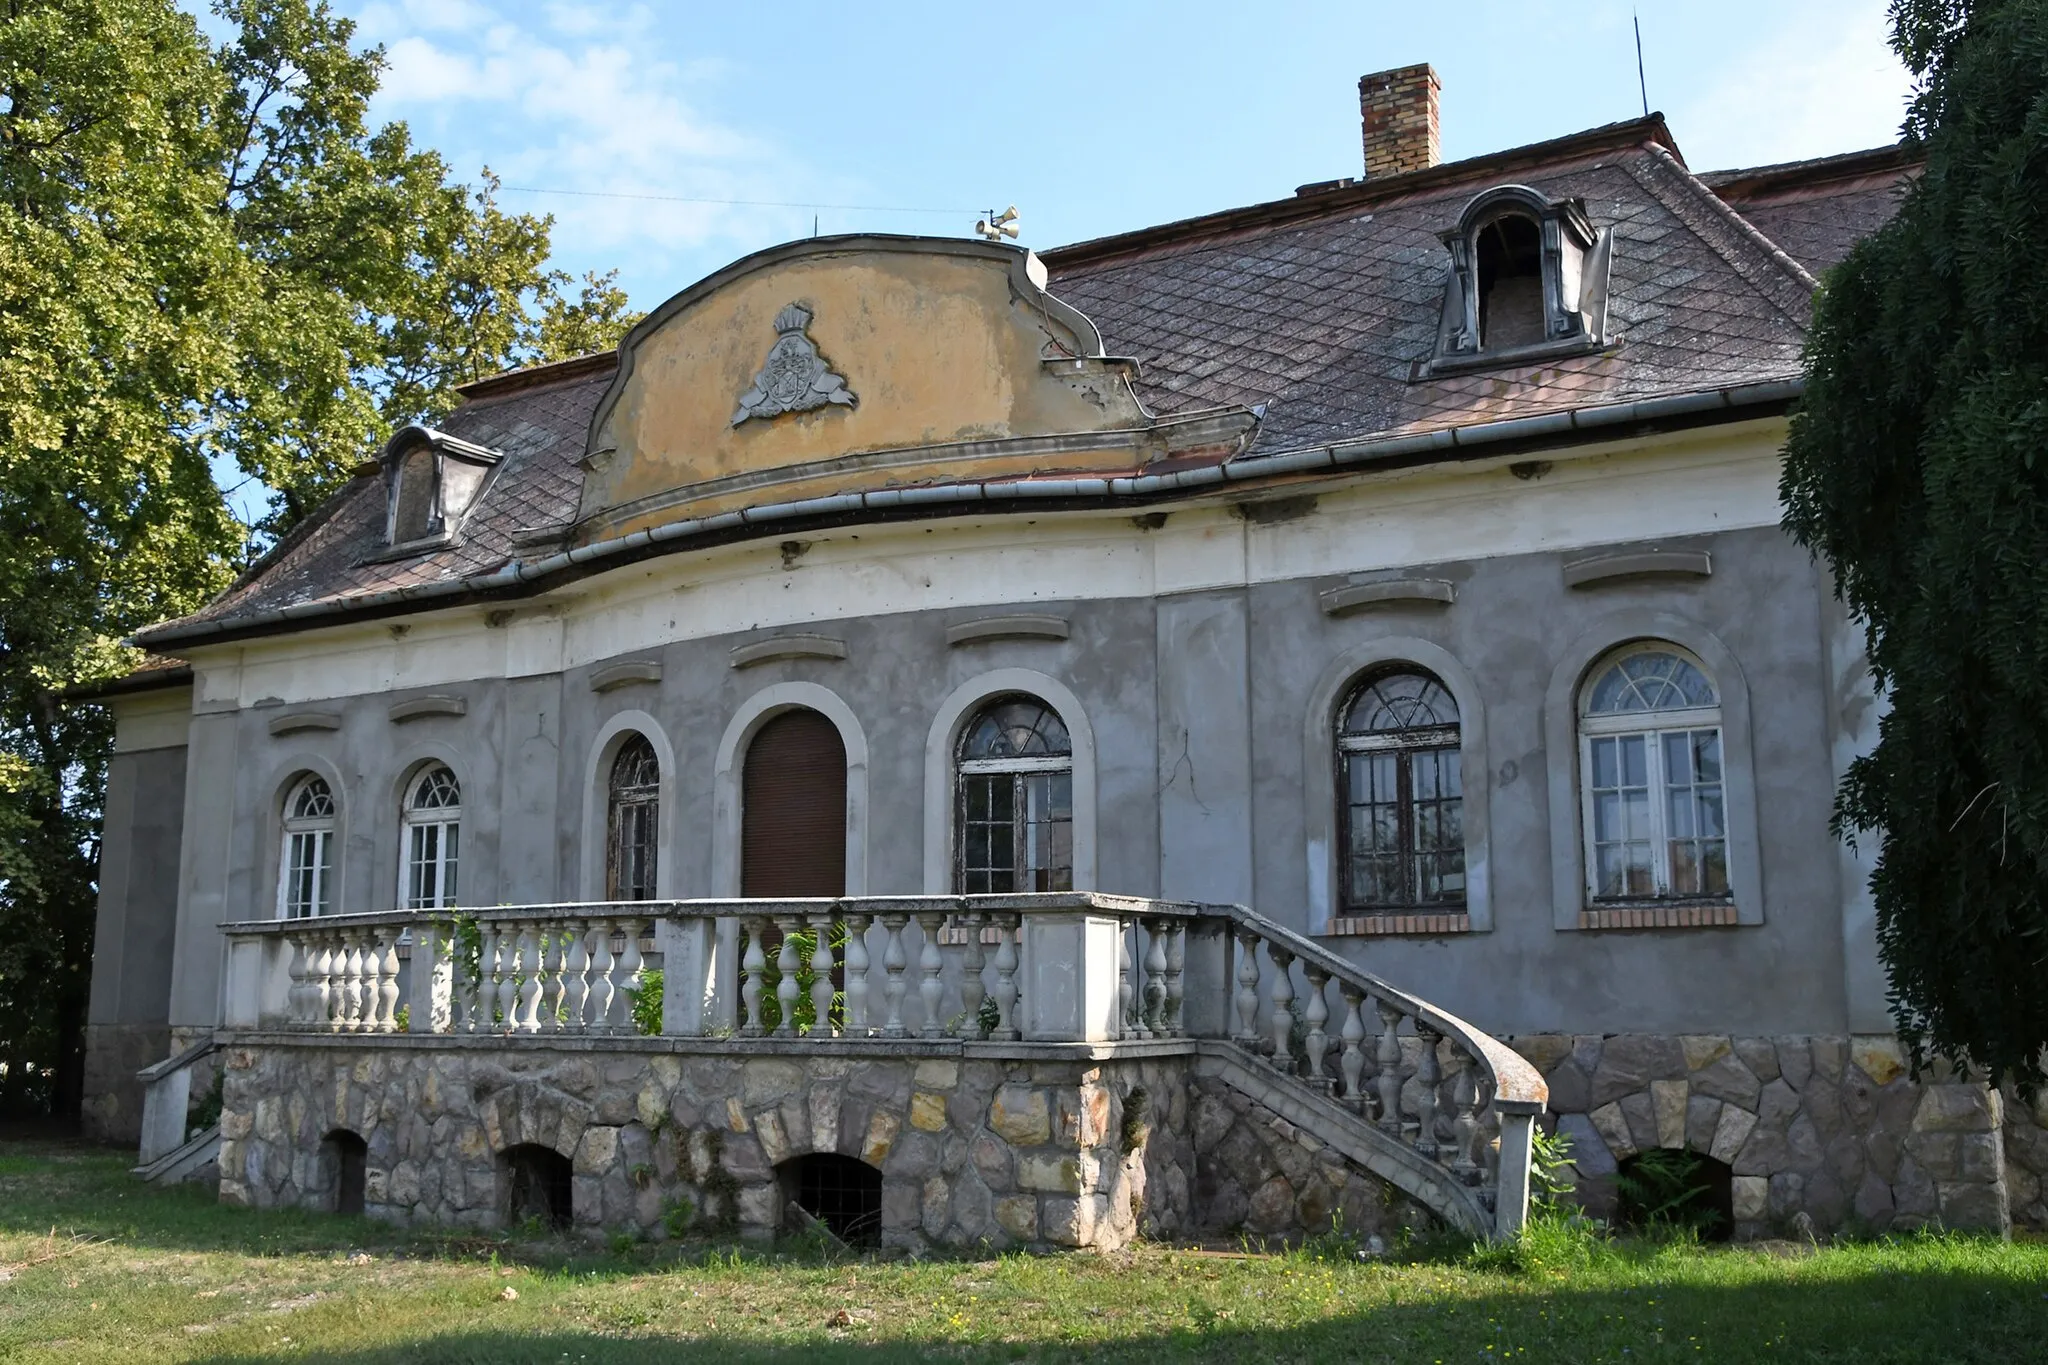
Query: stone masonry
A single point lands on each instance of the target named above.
(1836, 1128)
(1019, 1152)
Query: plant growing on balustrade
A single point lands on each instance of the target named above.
(646, 1003)
(803, 943)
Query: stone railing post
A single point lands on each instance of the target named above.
(1315, 1014)
(1155, 976)
(972, 961)
(752, 967)
(821, 976)
(431, 982)
(1006, 978)
(1070, 977)
(931, 962)
(688, 954)
(1511, 1195)
(894, 963)
(857, 967)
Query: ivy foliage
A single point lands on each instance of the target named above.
(1918, 470)
(210, 262)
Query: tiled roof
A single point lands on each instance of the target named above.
(1323, 320)
(1317, 307)
(1817, 210)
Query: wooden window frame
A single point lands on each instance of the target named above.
(1652, 727)
(1441, 739)
(444, 825)
(642, 800)
(1020, 771)
(314, 832)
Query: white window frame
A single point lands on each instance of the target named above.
(301, 831)
(441, 820)
(1652, 727)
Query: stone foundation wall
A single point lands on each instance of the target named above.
(2025, 1138)
(1835, 1128)
(1257, 1173)
(112, 1111)
(1004, 1153)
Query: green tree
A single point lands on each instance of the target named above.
(1918, 469)
(208, 259)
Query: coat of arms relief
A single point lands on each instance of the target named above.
(795, 377)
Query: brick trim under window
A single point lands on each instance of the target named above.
(1695, 916)
(1421, 922)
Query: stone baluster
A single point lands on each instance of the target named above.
(554, 957)
(1353, 1061)
(857, 974)
(352, 1016)
(1006, 978)
(321, 988)
(387, 980)
(1489, 1147)
(821, 976)
(1428, 1075)
(972, 961)
(752, 966)
(526, 1001)
(626, 977)
(484, 993)
(576, 977)
(931, 962)
(1315, 1014)
(1126, 997)
(295, 994)
(787, 964)
(1283, 1011)
(1176, 964)
(1465, 1127)
(894, 963)
(601, 987)
(1390, 1068)
(511, 941)
(1247, 1035)
(1155, 977)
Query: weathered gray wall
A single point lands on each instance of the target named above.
(135, 932)
(1198, 705)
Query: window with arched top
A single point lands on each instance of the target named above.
(1401, 793)
(1015, 777)
(431, 840)
(306, 862)
(634, 818)
(1651, 779)
(1510, 262)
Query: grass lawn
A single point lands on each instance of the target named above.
(96, 1266)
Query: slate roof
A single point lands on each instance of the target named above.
(1818, 209)
(1316, 307)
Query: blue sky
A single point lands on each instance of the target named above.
(1090, 118)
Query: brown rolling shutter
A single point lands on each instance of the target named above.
(793, 809)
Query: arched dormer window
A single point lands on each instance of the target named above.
(1401, 792)
(306, 862)
(431, 481)
(1651, 778)
(431, 840)
(633, 821)
(1015, 779)
(1528, 280)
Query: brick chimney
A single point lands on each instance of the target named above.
(1398, 109)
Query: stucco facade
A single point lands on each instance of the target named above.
(945, 484)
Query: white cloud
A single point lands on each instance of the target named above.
(583, 99)
(1823, 82)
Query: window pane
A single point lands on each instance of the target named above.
(1635, 761)
(450, 836)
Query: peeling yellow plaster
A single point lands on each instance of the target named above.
(936, 344)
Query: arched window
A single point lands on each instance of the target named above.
(307, 859)
(1650, 777)
(1016, 799)
(1510, 251)
(1402, 795)
(635, 815)
(431, 840)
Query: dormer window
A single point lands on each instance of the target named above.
(1528, 281)
(431, 482)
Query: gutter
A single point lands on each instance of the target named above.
(519, 578)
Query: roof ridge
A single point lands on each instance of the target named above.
(1799, 313)
(1298, 207)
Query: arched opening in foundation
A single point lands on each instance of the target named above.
(842, 1192)
(536, 1184)
(1672, 1187)
(344, 1168)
